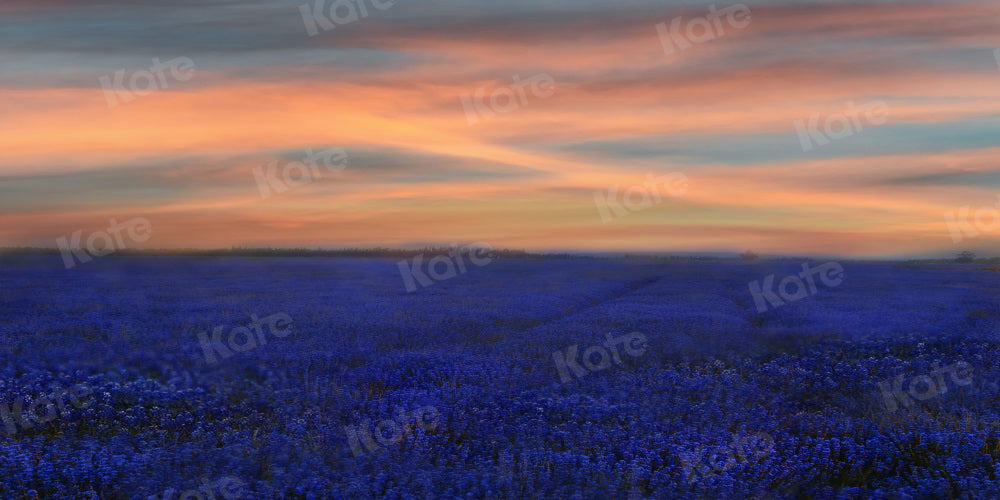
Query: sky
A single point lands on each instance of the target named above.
(861, 129)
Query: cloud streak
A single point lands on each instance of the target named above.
(389, 89)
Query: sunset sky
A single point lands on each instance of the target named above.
(388, 87)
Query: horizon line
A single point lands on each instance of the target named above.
(388, 251)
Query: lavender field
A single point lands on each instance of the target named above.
(196, 377)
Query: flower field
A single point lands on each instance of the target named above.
(239, 377)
